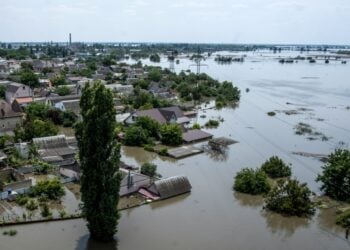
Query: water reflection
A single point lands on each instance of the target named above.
(169, 202)
(326, 219)
(283, 225)
(86, 243)
(249, 200)
(221, 155)
(141, 156)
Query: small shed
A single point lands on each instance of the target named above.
(171, 186)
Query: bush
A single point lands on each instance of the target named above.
(22, 200)
(212, 124)
(10, 232)
(45, 211)
(32, 205)
(63, 90)
(171, 134)
(148, 124)
(290, 197)
(62, 213)
(343, 219)
(149, 169)
(271, 113)
(335, 176)
(251, 181)
(52, 189)
(135, 136)
(163, 152)
(41, 167)
(196, 126)
(148, 147)
(276, 168)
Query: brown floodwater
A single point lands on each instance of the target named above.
(213, 216)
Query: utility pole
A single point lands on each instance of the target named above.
(198, 58)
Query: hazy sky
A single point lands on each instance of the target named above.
(210, 21)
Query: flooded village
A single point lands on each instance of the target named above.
(188, 120)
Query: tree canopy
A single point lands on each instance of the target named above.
(251, 181)
(335, 176)
(99, 155)
(171, 134)
(290, 197)
(276, 168)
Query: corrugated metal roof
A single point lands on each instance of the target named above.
(171, 186)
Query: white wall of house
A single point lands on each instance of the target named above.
(23, 91)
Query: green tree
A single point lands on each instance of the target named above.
(155, 75)
(335, 176)
(29, 78)
(52, 189)
(36, 110)
(2, 91)
(149, 169)
(251, 181)
(35, 128)
(63, 90)
(58, 80)
(171, 134)
(290, 197)
(136, 136)
(150, 125)
(276, 168)
(99, 155)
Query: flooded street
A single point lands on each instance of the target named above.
(213, 216)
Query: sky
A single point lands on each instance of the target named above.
(189, 21)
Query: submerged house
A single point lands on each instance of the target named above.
(11, 179)
(170, 187)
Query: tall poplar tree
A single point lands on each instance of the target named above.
(99, 155)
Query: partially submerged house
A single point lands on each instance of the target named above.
(55, 150)
(170, 187)
(11, 179)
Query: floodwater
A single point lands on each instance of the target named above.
(213, 216)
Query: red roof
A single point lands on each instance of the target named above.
(24, 100)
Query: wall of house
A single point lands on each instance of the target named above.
(23, 91)
(18, 185)
(9, 123)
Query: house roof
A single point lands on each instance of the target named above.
(53, 146)
(178, 112)
(152, 113)
(195, 135)
(139, 181)
(171, 186)
(6, 110)
(57, 99)
(24, 100)
(13, 87)
(72, 105)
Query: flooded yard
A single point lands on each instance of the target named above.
(213, 216)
